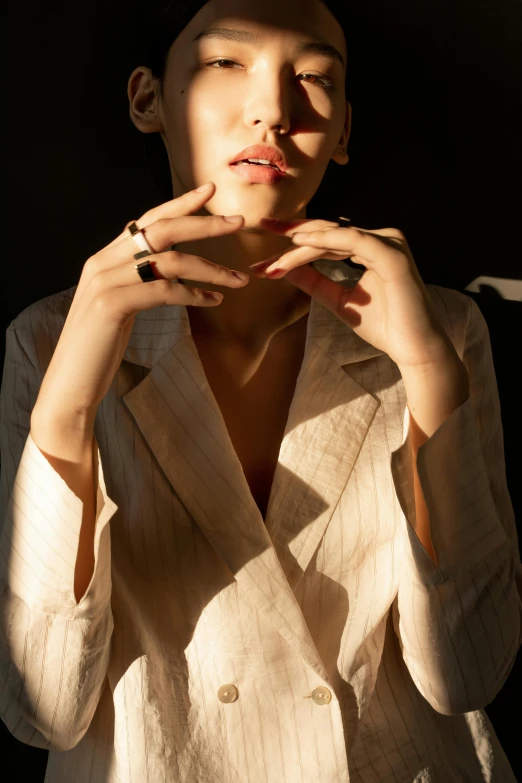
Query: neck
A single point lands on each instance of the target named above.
(252, 316)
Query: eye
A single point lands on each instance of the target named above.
(220, 61)
(324, 80)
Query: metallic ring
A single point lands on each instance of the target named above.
(141, 241)
(145, 271)
(144, 268)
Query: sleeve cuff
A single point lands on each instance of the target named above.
(40, 537)
(464, 523)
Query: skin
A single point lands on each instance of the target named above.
(209, 114)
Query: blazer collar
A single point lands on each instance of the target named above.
(156, 331)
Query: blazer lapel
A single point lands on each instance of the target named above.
(327, 424)
(177, 414)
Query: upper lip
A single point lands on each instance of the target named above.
(262, 152)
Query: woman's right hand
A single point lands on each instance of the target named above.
(110, 293)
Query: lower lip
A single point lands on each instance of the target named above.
(257, 172)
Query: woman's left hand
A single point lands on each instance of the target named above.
(389, 307)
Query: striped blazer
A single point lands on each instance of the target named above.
(320, 645)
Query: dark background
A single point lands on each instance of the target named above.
(434, 151)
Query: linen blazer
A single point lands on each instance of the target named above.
(321, 644)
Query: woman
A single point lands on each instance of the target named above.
(268, 536)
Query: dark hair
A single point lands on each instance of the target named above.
(153, 50)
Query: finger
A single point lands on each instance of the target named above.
(165, 232)
(188, 202)
(325, 291)
(297, 257)
(170, 266)
(377, 250)
(338, 298)
(288, 227)
(140, 297)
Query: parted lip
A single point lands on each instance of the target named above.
(262, 152)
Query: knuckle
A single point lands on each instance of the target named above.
(164, 225)
(91, 266)
(224, 271)
(158, 233)
(176, 256)
(97, 283)
(103, 303)
(164, 286)
(315, 284)
(219, 222)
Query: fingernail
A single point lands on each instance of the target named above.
(262, 264)
(240, 275)
(277, 272)
(266, 262)
(233, 218)
(299, 236)
(204, 187)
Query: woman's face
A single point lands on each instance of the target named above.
(270, 93)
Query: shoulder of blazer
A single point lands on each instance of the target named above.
(38, 326)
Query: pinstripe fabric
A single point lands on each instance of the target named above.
(192, 589)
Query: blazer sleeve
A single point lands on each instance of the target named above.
(54, 652)
(459, 621)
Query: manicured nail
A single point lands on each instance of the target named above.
(204, 187)
(275, 272)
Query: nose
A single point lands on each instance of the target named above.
(268, 104)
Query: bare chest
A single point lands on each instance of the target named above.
(254, 402)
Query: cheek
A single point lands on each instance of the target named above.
(209, 108)
(211, 125)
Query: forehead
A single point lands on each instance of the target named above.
(295, 19)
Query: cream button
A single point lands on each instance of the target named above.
(321, 695)
(227, 693)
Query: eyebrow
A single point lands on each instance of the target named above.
(244, 36)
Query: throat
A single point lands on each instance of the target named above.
(250, 337)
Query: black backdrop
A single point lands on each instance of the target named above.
(433, 151)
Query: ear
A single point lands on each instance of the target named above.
(340, 155)
(143, 94)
